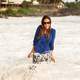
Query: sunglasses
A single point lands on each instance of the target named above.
(46, 22)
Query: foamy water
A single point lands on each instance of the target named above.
(16, 36)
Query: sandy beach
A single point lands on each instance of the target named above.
(16, 39)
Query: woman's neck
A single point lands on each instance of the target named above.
(45, 31)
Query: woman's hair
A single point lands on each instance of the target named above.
(45, 17)
(41, 32)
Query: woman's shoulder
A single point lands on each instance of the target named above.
(39, 27)
(53, 30)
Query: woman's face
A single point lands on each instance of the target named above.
(46, 23)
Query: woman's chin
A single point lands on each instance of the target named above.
(47, 28)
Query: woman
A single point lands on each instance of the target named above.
(43, 42)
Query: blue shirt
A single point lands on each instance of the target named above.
(43, 44)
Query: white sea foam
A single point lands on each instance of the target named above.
(16, 36)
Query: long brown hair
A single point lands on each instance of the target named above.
(42, 26)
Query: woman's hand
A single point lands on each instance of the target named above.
(31, 53)
(53, 57)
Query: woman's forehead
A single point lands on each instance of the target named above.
(46, 20)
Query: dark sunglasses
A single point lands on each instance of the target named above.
(46, 22)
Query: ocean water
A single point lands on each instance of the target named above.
(16, 39)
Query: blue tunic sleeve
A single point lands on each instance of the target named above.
(51, 44)
(36, 37)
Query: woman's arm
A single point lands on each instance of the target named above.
(31, 53)
(51, 44)
(34, 42)
(53, 56)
